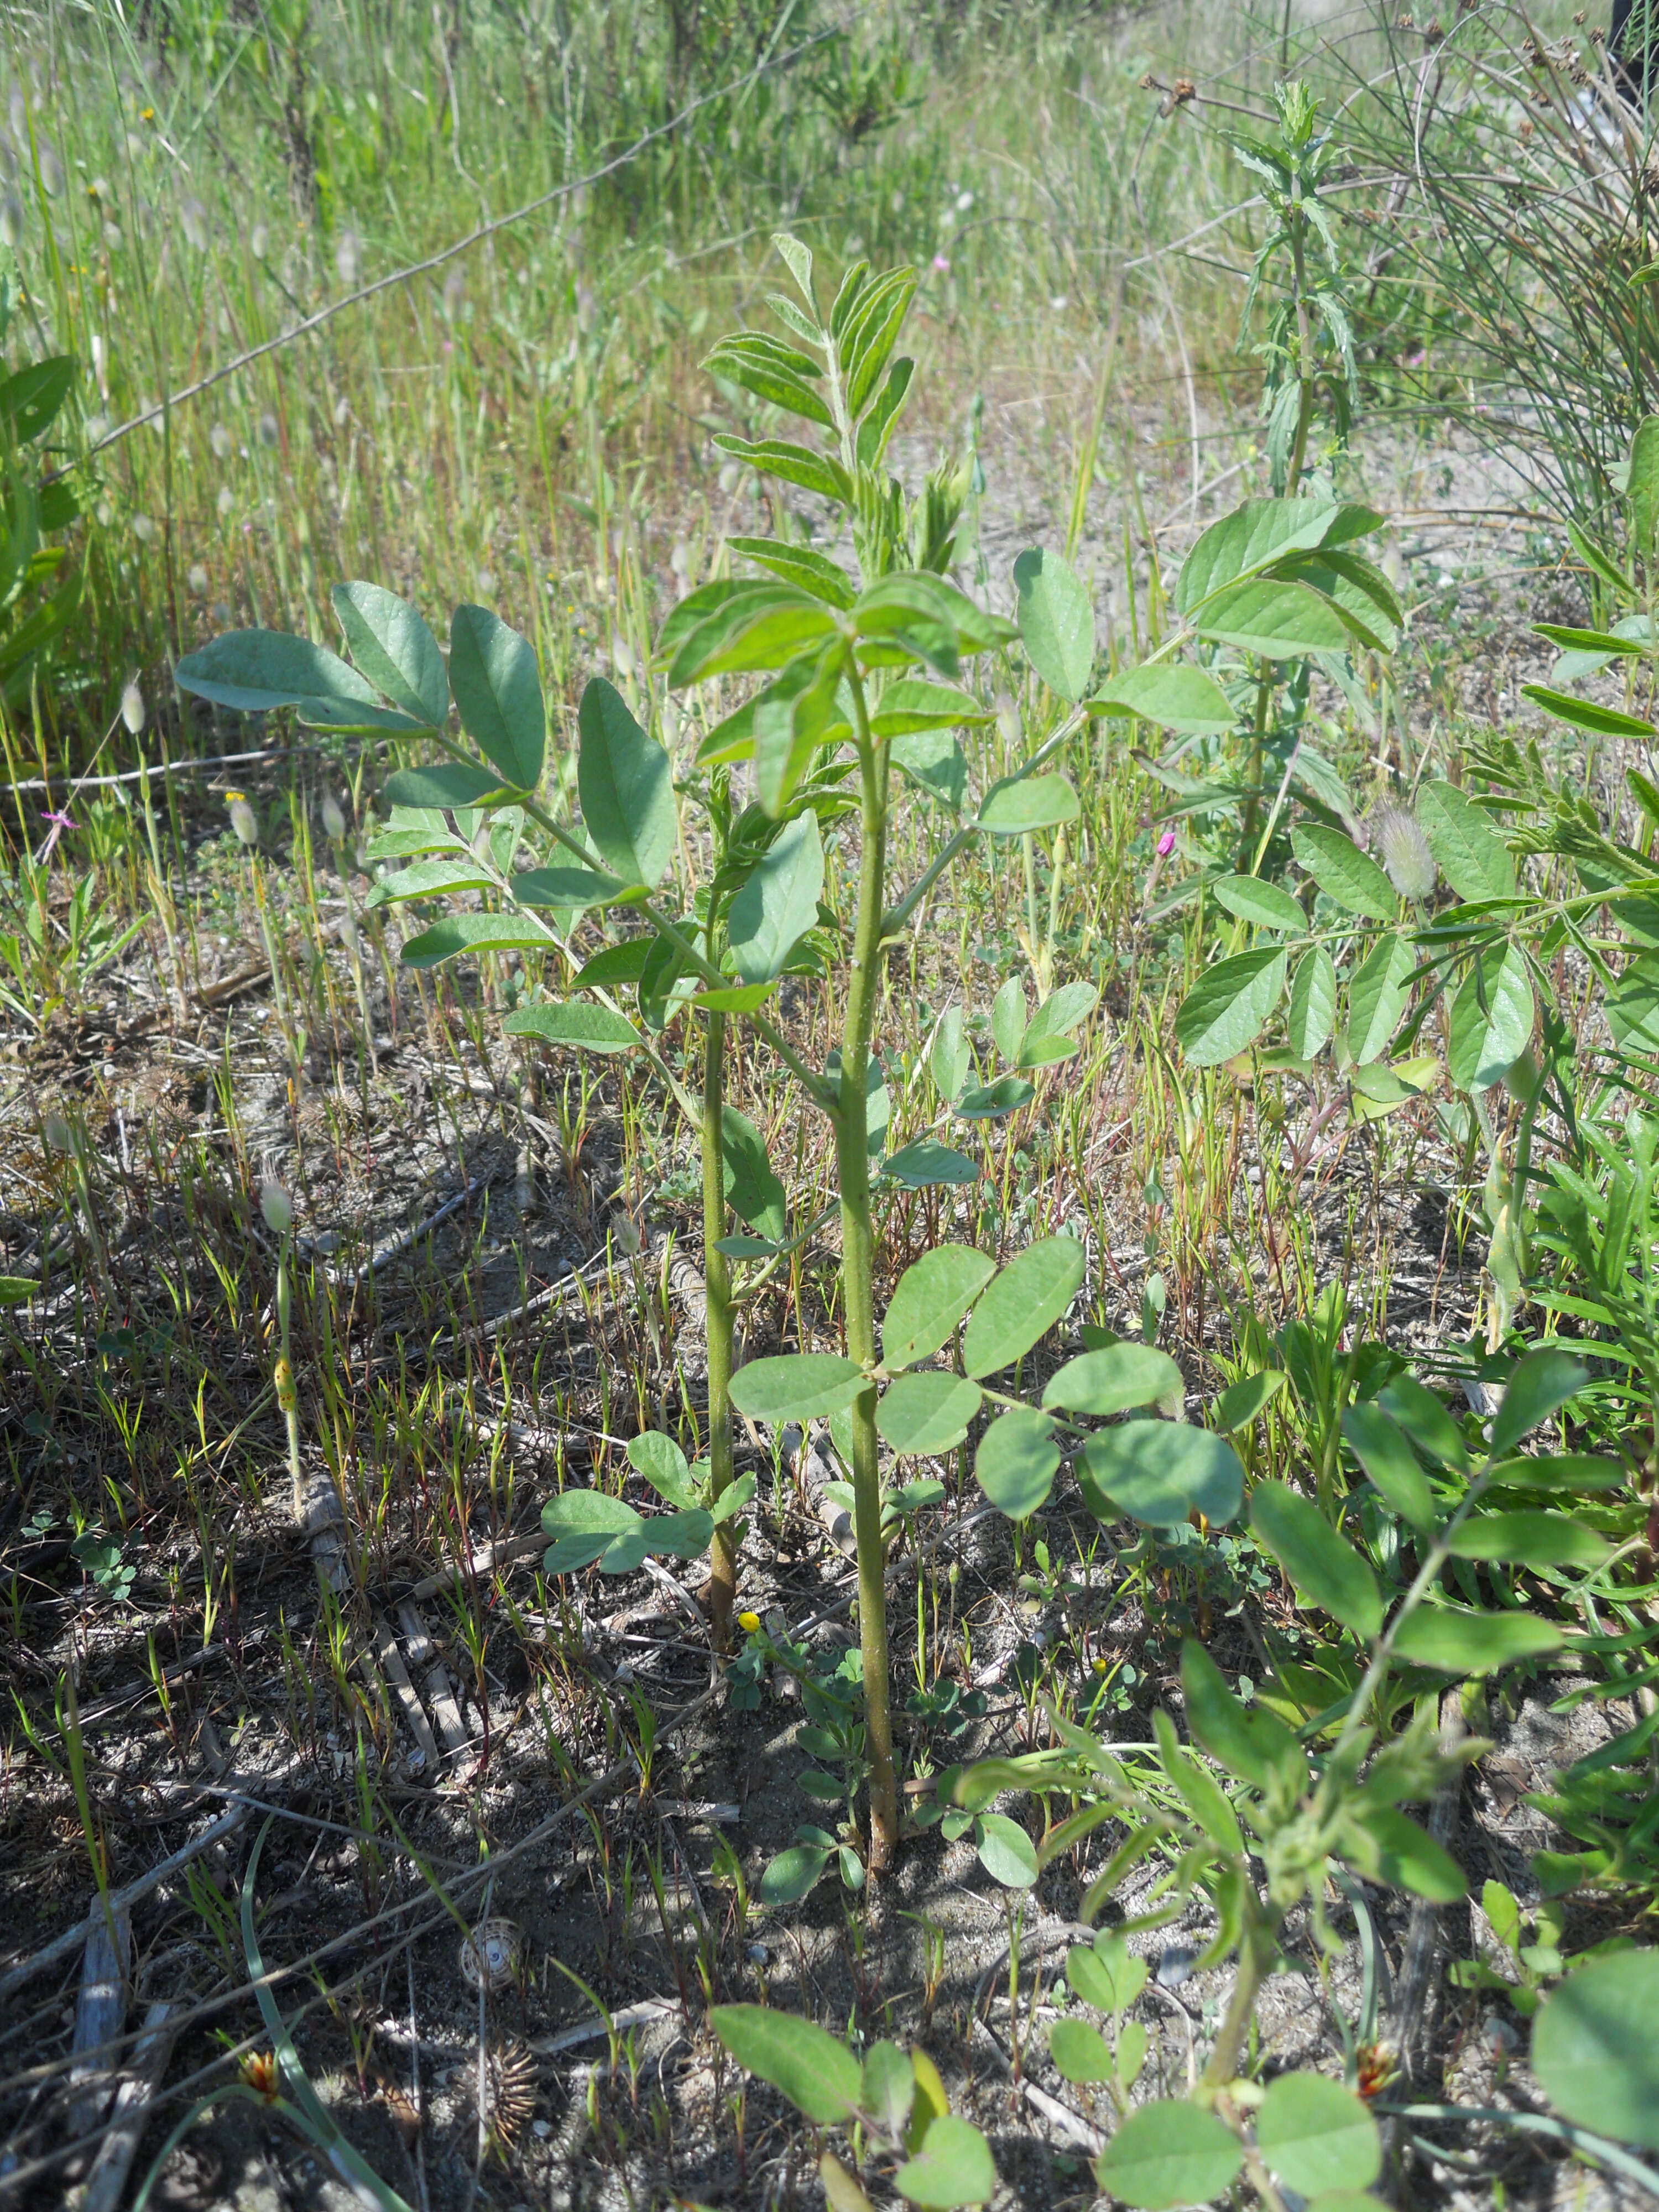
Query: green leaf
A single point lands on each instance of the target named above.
(953, 2167)
(459, 933)
(573, 888)
(31, 396)
(447, 784)
(926, 1164)
(772, 371)
(1544, 1382)
(991, 1100)
(779, 902)
(1168, 2153)
(936, 763)
(1106, 1974)
(752, 1191)
(800, 566)
(890, 2087)
(1424, 1419)
(803, 1386)
(626, 788)
(931, 1298)
(879, 425)
(428, 879)
(582, 1028)
(1059, 1015)
(1377, 996)
(793, 718)
(922, 1415)
(1492, 1019)
(1346, 874)
(1253, 1744)
(1056, 622)
(1360, 591)
(391, 645)
(1312, 1011)
(1158, 1472)
(819, 2075)
(1175, 697)
(1585, 714)
(1533, 1539)
(1114, 1381)
(1385, 1845)
(498, 693)
(1229, 1006)
(1006, 1851)
(1081, 2053)
(1562, 1471)
(1017, 1463)
(1280, 621)
(1322, 1565)
(1024, 1302)
(1383, 1450)
(662, 1461)
(1008, 1017)
(1642, 488)
(911, 704)
(797, 464)
(1255, 532)
(1596, 2047)
(255, 670)
(1468, 850)
(585, 1525)
(1243, 1401)
(1458, 1641)
(1253, 901)
(1316, 2135)
(1631, 1006)
(793, 1873)
(18, 1290)
(1016, 806)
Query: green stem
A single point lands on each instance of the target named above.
(857, 1270)
(1303, 338)
(717, 1275)
(288, 1394)
(1256, 1951)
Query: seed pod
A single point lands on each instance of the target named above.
(243, 819)
(60, 1137)
(133, 707)
(276, 1206)
(333, 820)
(287, 1398)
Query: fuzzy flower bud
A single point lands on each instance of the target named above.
(1404, 852)
(132, 705)
(276, 1206)
(243, 819)
(334, 822)
(60, 1137)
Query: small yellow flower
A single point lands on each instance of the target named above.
(147, 115)
(748, 1622)
(1098, 1664)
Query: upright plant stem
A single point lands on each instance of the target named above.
(717, 1274)
(857, 1263)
